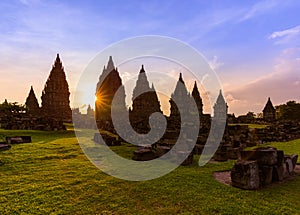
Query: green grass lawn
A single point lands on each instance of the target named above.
(291, 147)
(259, 126)
(53, 176)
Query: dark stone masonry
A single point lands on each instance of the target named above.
(262, 166)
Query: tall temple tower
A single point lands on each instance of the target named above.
(109, 83)
(269, 112)
(144, 103)
(32, 103)
(220, 108)
(196, 96)
(55, 96)
(179, 100)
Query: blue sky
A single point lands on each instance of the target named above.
(254, 46)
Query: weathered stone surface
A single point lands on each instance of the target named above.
(266, 156)
(161, 150)
(294, 160)
(143, 154)
(278, 173)
(18, 139)
(4, 146)
(289, 165)
(266, 174)
(245, 175)
(280, 157)
(220, 156)
(233, 153)
(24, 121)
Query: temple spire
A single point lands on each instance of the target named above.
(180, 78)
(32, 102)
(56, 94)
(57, 63)
(195, 86)
(197, 98)
(142, 69)
(152, 87)
(220, 108)
(110, 65)
(144, 103)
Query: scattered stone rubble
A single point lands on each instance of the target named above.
(18, 139)
(24, 121)
(109, 140)
(4, 146)
(262, 166)
(14, 140)
(238, 137)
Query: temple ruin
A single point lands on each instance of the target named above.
(107, 86)
(144, 103)
(55, 96)
(32, 104)
(269, 112)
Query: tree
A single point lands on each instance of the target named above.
(9, 108)
(288, 111)
(250, 115)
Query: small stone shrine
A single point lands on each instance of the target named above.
(269, 112)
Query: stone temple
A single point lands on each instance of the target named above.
(269, 112)
(196, 96)
(32, 104)
(109, 83)
(55, 96)
(145, 102)
(178, 101)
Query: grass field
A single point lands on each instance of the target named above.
(53, 176)
(252, 125)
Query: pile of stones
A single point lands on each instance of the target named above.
(280, 131)
(109, 140)
(29, 122)
(5, 145)
(262, 166)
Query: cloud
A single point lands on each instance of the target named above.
(215, 63)
(259, 8)
(286, 35)
(282, 85)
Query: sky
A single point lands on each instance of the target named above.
(253, 46)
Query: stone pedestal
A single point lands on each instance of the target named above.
(266, 175)
(266, 156)
(143, 154)
(267, 164)
(245, 175)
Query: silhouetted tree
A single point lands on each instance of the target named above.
(288, 111)
(12, 107)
